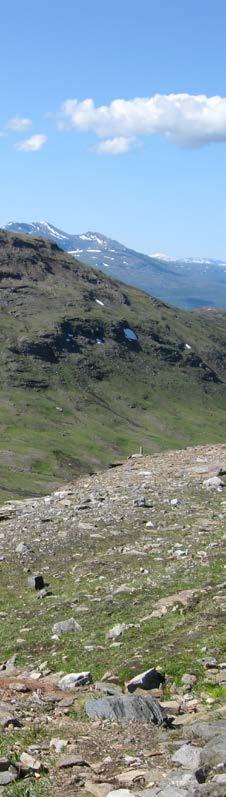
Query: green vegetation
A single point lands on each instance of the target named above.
(69, 404)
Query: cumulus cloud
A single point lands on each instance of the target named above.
(18, 124)
(32, 144)
(189, 120)
(115, 146)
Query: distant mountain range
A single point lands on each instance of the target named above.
(186, 282)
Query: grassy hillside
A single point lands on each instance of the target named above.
(76, 393)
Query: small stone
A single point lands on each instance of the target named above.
(209, 662)
(188, 680)
(9, 776)
(44, 593)
(133, 776)
(75, 679)
(119, 629)
(220, 779)
(36, 582)
(99, 789)
(111, 677)
(72, 761)
(119, 793)
(107, 688)
(7, 717)
(150, 679)
(22, 548)
(58, 744)
(140, 501)
(66, 627)
(214, 483)
(29, 762)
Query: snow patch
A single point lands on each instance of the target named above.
(129, 334)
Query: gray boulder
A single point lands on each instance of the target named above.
(207, 730)
(214, 752)
(187, 756)
(126, 708)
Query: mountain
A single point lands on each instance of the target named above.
(187, 283)
(92, 369)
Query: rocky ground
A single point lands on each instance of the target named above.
(131, 577)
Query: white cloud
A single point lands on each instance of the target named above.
(18, 124)
(189, 120)
(115, 146)
(32, 144)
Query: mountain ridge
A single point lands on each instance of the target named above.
(92, 368)
(185, 282)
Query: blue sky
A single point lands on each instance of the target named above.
(153, 175)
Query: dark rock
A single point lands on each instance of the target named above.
(202, 773)
(150, 679)
(126, 708)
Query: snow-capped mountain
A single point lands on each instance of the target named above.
(199, 261)
(185, 282)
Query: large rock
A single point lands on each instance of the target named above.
(207, 730)
(214, 752)
(150, 679)
(187, 756)
(126, 708)
(66, 627)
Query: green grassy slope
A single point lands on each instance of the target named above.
(69, 404)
